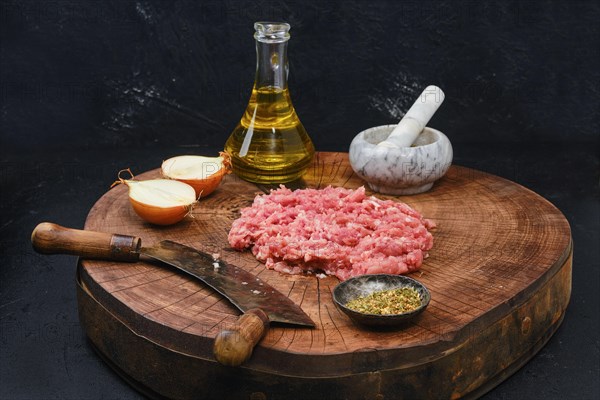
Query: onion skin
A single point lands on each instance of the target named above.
(160, 215)
(166, 201)
(206, 186)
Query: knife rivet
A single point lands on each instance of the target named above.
(258, 396)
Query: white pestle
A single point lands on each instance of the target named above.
(416, 119)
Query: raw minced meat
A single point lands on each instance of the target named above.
(341, 232)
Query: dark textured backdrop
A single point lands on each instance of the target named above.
(90, 87)
(148, 73)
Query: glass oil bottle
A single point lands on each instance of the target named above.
(269, 144)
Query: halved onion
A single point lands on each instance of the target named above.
(204, 174)
(160, 201)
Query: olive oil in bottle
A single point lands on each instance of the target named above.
(270, 145)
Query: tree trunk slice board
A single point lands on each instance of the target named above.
(499, 276)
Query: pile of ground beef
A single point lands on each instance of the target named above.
(336, 231)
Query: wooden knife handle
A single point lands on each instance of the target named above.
(234, 346)
(48, 238)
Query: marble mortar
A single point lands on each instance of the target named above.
(403, 170)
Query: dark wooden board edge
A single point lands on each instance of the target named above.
(280, 362)
(468, 370)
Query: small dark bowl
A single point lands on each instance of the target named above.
(364, 285)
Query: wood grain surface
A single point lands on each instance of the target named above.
(497, 246)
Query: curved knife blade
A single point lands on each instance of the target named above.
(243, 289)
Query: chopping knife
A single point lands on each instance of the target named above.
(259, 302)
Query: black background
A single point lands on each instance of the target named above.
(90, 87)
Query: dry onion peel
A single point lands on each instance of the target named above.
(204, 174)
(159, 201)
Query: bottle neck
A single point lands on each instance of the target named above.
(271, 65)
(271, 55)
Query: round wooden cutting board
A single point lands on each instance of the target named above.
(499, 276)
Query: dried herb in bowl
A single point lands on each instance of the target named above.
(387, 302)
